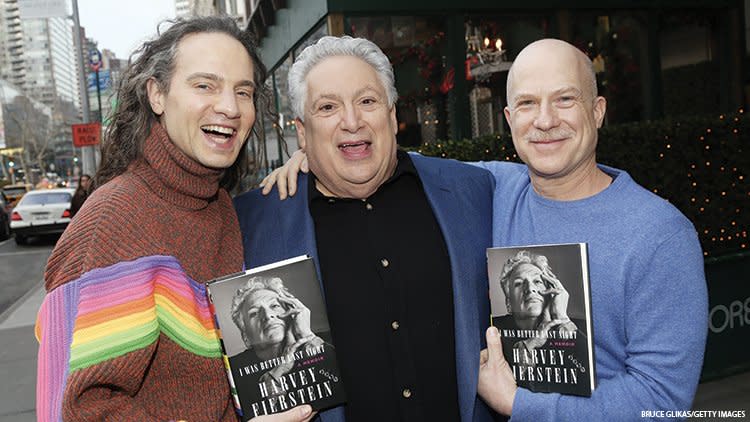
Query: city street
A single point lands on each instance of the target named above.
(22, 267)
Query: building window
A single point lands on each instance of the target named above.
(274, 147)
(318, 33)
(284, 108)
(689, 68)
(617, 43)
(416, 47)
(492, 42)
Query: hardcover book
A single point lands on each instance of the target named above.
(541, 304)
(276, 339)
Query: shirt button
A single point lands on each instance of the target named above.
(406, 393)
(369, 207)
(395, 325)
(331, 200)
(384, 262)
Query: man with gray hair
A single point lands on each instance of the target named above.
(399, 241)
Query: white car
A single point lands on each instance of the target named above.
(44, 211)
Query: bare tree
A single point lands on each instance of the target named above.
(29, 127)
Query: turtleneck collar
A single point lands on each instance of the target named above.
(172, 175)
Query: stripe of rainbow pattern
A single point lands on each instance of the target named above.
(111, 311)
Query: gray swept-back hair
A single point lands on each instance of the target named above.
(522, 257)
(338, 46)
(240, 298)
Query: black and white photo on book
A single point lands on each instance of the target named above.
(540, 302)
(276, 338)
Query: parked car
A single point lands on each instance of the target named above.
(45, 211)
(4, 220)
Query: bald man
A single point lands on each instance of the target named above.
(648, 289)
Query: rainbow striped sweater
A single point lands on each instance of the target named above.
(125, 331)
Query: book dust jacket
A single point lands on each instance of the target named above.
(276, 338)
(540, 303)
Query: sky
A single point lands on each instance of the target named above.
(122, 25)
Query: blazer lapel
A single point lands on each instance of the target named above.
(446, 204)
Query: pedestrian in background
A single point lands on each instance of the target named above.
(80, 195)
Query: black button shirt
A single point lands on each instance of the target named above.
(387, 281)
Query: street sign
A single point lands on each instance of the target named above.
(105, 80)
(87, 134)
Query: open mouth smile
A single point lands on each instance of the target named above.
(355, 150)
(219, 134)
(355, 145)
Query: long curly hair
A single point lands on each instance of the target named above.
(132, 119)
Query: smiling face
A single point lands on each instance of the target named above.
(263, 323)
(524, 285)
(552, 111)
(349, 131)
(208, 111)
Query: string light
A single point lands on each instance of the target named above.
(715, 185)
(709, 188)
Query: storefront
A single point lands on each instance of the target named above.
(653, 58)
(658, 63)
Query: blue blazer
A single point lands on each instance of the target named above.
(461, 198)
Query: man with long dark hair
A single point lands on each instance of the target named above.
(125, 332)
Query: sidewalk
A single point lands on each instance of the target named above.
(18, 369)
(18, 358)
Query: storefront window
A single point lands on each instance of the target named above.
(284, 109)
(276, 148)
(270, 141)
(690, 73)
(617, 43)
(416, 47)
(491, 44)
(318, 33)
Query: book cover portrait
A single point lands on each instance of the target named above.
(540, 303)
(277, 340)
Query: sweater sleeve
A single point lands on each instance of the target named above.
(98, 333)
(666, 319)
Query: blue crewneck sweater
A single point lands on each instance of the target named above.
(648, 292)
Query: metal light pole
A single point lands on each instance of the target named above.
(87, 153)
(95, 58)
